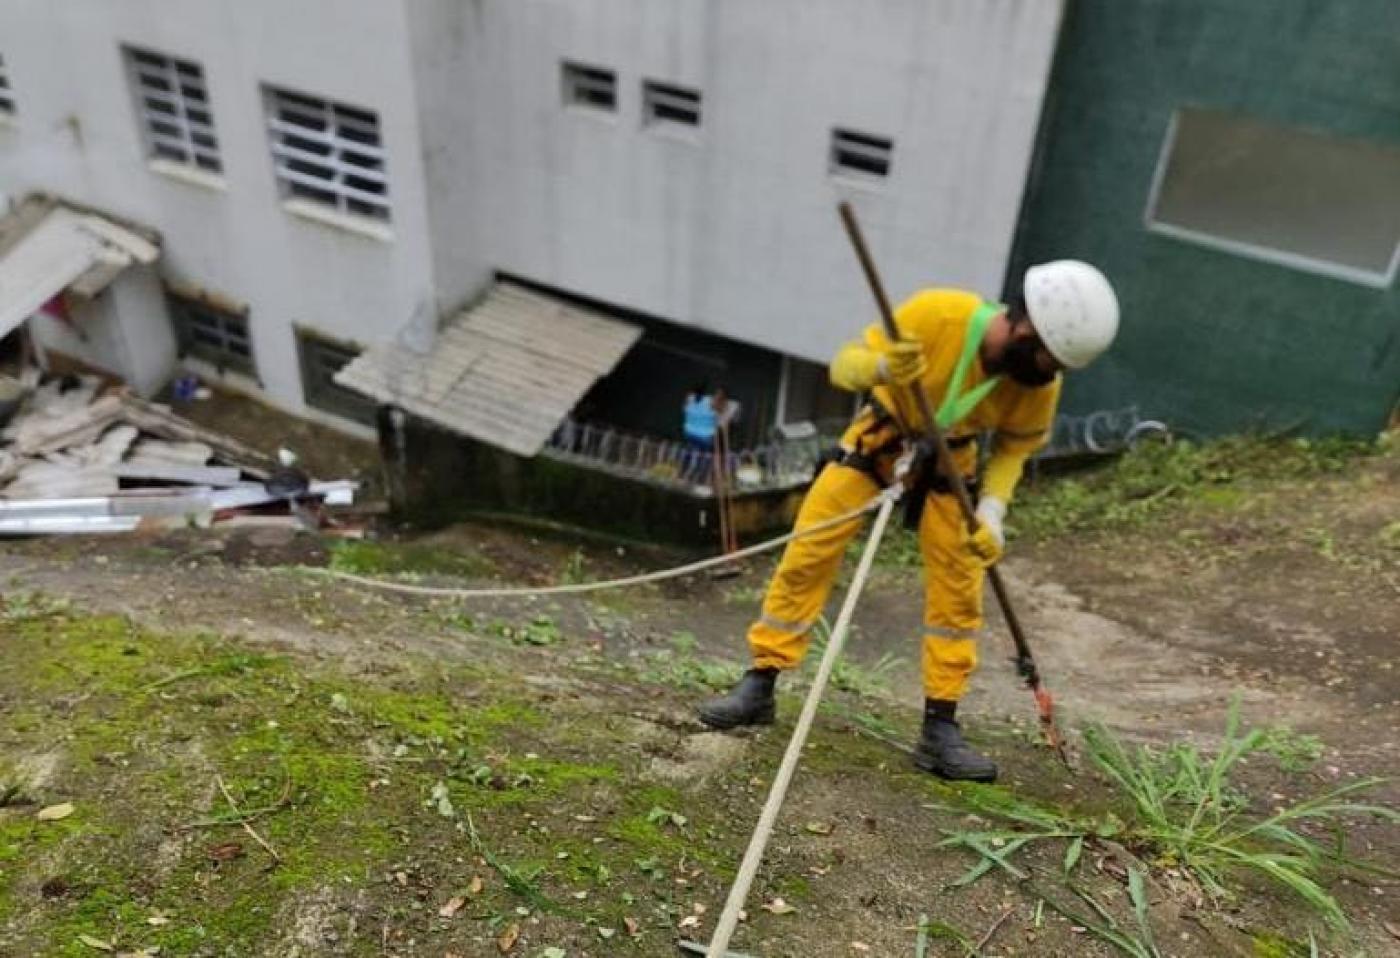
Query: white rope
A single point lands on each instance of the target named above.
(753, 856)
(890, 494)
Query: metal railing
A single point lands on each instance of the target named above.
(778, 464)
(789, 459)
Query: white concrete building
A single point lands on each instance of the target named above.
(351, 171)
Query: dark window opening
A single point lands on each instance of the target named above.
(594, 87)
(214, 335)
(664, 103)
(320, 360)
(860, 153)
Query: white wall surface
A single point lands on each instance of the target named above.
(733, 230)
(124, 331)
(76, 133)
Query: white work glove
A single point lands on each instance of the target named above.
(991, 513)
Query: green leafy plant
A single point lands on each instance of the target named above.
(409, 560)
(541, 630)
(680, 667)
(1294, 752)
(664, 816)
(1187, 810)
(575, 569)
(523, 883)
(684, 670)
(850, 676)
(23, 606)
(1105, 927)
(927, 931)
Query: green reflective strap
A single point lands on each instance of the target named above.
(956, 403)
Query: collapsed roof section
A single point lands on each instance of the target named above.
(47, 247)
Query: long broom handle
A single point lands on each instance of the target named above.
(945, 455)
(753, 856)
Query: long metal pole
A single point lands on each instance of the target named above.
(1025, 662)
(753, 856)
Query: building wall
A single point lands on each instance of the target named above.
(733, 229)
(76, 133)
(1212, 341)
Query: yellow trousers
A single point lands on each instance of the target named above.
(800, 586)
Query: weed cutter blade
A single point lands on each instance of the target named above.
(1046, 706)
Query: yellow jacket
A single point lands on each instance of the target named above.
(1019, 417)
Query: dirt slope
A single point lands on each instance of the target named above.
(538, 761)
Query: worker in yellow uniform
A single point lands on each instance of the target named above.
(987, 369)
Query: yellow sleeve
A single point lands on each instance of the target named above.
(925, 315)
(854, 368)
(1024, 429)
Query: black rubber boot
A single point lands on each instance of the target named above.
(943, 752)
(748, 703)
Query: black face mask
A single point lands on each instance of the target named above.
(1018, 360)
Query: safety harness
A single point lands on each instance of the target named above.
(956, 406)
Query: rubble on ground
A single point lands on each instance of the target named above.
(78, 457)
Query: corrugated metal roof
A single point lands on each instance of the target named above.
(59, 249)
(506, 371)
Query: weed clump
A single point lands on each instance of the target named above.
(365, 557)
(1155, 477)
(1188, 811)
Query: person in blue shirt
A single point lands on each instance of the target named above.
(700, 420)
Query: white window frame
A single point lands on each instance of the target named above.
(7, 93)
(185, 140)
(1264, 254)
(841, 142)
(342, 156)
(575, 75)
(658, 95)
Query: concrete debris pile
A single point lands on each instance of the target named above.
(77, 458)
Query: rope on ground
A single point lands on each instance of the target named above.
(753, 855)
(676, 572)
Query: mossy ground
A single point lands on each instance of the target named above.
(339, 770)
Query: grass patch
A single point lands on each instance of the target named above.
(1182, 809)
(1152, 480)
(1157, 477)
(1190, 812)
(405, 559)
(848, 675)
(681, 668)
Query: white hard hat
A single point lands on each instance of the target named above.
(1073, 309)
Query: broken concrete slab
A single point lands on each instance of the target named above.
(165, 472)
(160, 451)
